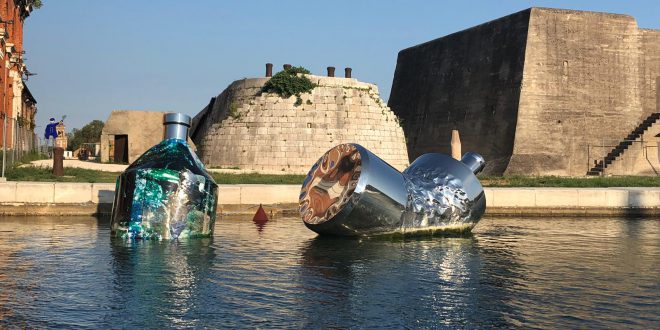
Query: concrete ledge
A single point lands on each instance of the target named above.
(35, 192)
(72, 193)
(96, 198)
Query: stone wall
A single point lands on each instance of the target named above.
(468, 81)
(581, 86)
(244, 128)
(585, 78)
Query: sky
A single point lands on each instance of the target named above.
(92, 57)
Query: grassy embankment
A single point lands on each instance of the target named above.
(83, 175)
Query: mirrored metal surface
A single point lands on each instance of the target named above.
(352, 192)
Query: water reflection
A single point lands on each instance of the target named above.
(160, 284)
(531, 273)
(423, 282)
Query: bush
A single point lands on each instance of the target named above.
(289, 82)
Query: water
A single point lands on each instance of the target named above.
(545, 273)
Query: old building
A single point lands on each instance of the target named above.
(539, 92)
(127, 134)
(17, 104)
(245, 129)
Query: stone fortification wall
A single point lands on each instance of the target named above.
(468, 81)
(582, 85)
(650, 74)
(264, 132)
(532, 91)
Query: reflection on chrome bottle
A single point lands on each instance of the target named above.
(352, 192)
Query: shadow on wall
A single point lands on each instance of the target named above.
(104, 205)
(640, 203)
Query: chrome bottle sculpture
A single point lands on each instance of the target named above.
(166, 193)
(352, 192)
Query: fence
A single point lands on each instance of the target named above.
(17, 142)
(640, 157)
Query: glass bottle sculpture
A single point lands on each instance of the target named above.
(352, 192)
(166, 193)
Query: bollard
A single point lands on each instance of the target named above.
(455, 145)
(348, 72)
(58, 161)
(269, 69)
(287, 66)
(331, 71)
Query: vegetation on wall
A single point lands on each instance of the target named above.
(289, 82)
(90, 133)
(35, 3)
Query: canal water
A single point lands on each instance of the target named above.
(546, 273)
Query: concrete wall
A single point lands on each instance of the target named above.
(470, 81)
(581, 85)
(144, 129)
(264, 132)
(561, 80)
(641, 158)
(91, 198)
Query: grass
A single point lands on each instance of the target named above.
(224, 178)
(569, 182)
(92, 176)
(83, 175)
(70, 175)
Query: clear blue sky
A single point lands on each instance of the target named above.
(95, 56)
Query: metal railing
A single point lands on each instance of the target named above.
(17, 141)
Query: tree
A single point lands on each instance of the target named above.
(35, 3)
(90, 133)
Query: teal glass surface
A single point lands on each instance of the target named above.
(165, 194)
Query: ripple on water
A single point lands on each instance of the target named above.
(67, 272)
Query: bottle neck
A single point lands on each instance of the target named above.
(474, 161)
(176, 131)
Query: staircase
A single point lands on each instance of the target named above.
(623, 145)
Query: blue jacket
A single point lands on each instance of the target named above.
(51, 130)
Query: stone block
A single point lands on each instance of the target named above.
(616, 197)
(644, 197)
(103, 193)
(35, 192)
(229, 194)
(269, 194)
(591, 197)
(7, 192)
(72, 192)
(513, 197)
(549, 197)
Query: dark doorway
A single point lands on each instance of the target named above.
(121, 148)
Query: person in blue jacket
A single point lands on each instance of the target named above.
(51, 131)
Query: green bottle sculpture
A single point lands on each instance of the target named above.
(166, 193)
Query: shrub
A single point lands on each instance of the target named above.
(289, 82)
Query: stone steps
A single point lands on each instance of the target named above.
(624, 144)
